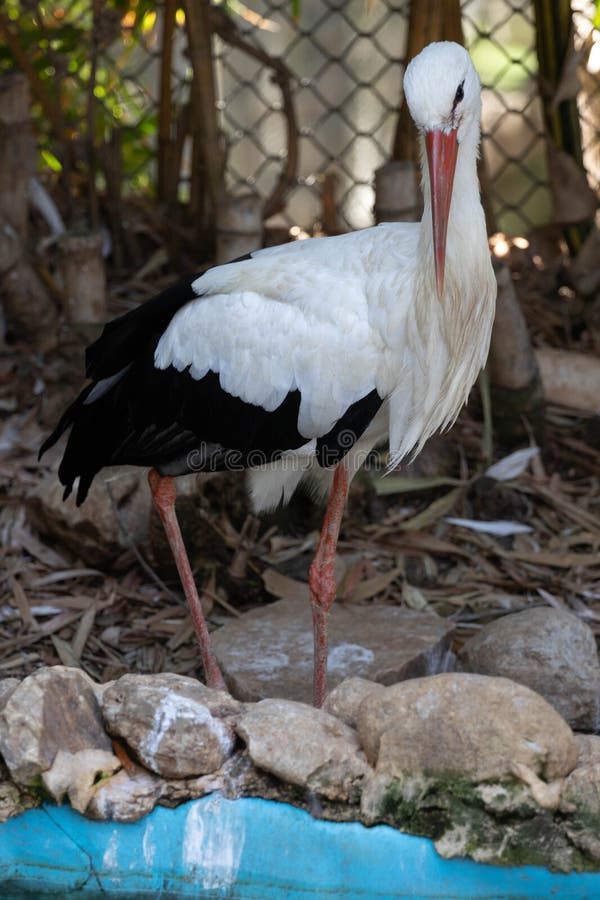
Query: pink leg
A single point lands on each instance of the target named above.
(163, 495)
(321, 578)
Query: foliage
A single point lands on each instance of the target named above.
(78, 48)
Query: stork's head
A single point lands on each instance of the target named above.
(442, 90)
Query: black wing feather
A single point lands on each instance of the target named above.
(168, 420)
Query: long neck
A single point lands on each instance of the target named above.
(466, 222)
(447, 336)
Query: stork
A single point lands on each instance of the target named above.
(294, 361)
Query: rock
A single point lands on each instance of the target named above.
(176, 726)
(549, 650)
(581, 802)
(51, 710)
(589, 749)
(344, 700)
(304, 746)
(7, 686)
(582, 790)
(268, 652)
(14, 801)
(460, 724)
(102, 527)
(126, 797)
(77, 775)
(537, 841)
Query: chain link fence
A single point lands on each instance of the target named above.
(346, 61)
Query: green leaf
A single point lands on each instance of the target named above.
(51, 161)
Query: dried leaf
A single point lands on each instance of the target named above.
(433, 512)
(86, 623)
(555, 560)
(413, 597)
(401, 484)
(287, 588)
(372, 586)
(512, 465)
(65, 653)
(23, 604)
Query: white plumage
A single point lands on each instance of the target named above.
(340, 316)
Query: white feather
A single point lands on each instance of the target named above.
(337, 317)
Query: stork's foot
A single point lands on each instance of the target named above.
(321, 579)
(163, 495)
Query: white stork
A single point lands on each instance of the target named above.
(295, 361)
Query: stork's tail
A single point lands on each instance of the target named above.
(86, 449)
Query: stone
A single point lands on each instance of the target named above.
(582, 790)
(116, 512)
(589, 749)
(304, 746)
(14, 801)
(51, 710)
(344, 700)
(550, 651)
(176, 726)
(581, 803)
(458, 724)
(76, 775)
(7, 686)
(268, 652)
(126, 797)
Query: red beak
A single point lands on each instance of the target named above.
(442, 149)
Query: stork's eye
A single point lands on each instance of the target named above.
(459, 94)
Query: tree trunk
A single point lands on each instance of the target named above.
(554, 43)
(83, 278)
(516, 388)
(208, 157)
(29, 312)
(570, 379)
(17, 152)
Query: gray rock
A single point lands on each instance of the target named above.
(7, 686)
(468, 725)
(54, 709)
(589, 749)
(269, 652)
(344, 700)
(582, 790)
(176, 726)
(14, 801)
(580, 802)
(126, 797)
(304, 746)
(549, 650)
(116, 512)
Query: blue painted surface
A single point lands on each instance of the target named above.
(252, 850)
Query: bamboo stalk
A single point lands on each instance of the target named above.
(165, 106)
(91, 115)
(37, 86)
(208, 152)
(431, 20)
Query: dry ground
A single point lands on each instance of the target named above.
(397, 546)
